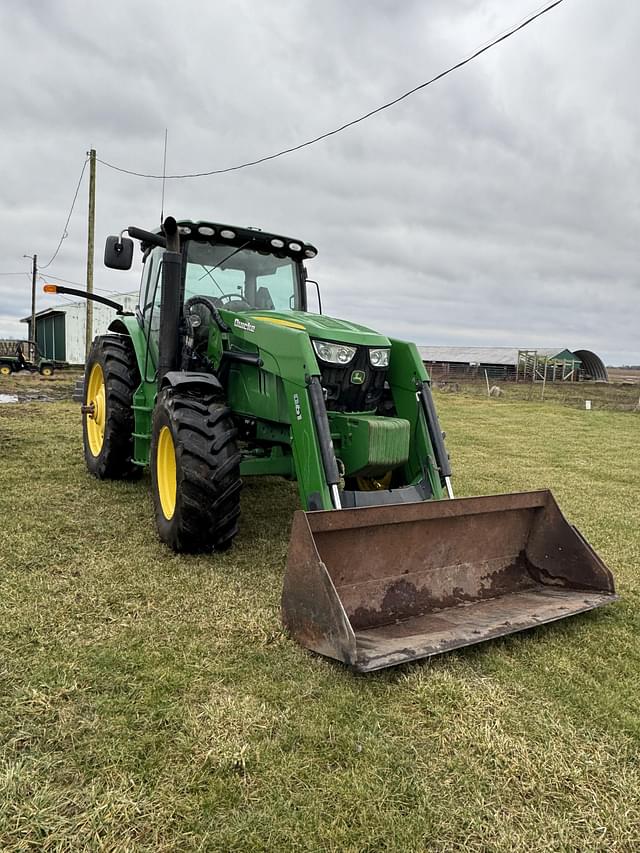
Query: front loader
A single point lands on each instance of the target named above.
(223, 373)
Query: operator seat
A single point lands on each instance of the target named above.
(263, 299)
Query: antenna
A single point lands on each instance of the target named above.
(164, 175)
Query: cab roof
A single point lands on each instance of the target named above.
(250, 238)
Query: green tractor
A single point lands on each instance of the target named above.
(222, 373)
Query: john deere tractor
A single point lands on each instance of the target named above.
(222, 373)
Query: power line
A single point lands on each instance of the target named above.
(24, 272)
(66, 225)
(59, 278)
(354, 121)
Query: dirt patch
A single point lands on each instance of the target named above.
(34, 388)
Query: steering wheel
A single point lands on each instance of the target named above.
(211, 304)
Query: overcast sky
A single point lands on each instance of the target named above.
(500, 206)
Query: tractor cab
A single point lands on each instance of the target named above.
(240, 269)
(243, 279)
(223, 268)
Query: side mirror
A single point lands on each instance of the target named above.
(118, 253)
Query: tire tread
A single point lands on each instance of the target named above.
(208, 461)
(117, 358)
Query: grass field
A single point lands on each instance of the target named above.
(621, 396)
(150, 702)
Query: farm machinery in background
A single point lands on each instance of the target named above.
(222, 373)
(14, 360)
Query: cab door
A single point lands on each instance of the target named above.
(150, 299)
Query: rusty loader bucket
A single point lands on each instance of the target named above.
(379, 586)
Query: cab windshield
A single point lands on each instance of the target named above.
(242, 279)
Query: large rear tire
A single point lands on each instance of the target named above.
(110, 380)
(195, 471)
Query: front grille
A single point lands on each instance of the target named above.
(342, 395)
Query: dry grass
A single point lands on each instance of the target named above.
(617, 395)
(150, 702)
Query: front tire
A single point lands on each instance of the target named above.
(195, 472)
(110, 380)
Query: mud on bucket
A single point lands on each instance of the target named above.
(379, 586)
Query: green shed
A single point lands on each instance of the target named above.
(50, 335)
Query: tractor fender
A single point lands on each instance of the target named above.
(130, 327)
(191, 379)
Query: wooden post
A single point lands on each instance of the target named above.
(90, 248)
(544, 381)
(31, 355)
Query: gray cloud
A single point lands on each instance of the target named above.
(499, 206)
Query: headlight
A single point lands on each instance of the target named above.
(379, 357)
(334, 353)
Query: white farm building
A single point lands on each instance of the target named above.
(60, 331)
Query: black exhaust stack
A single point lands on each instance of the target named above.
(170, 308)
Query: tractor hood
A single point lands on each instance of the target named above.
(321, 327)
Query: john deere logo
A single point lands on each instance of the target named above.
(357, 377)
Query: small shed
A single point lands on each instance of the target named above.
(60, 331)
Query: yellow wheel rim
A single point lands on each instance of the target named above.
(46, 371)
(96, 418)
(4, 370)
(166, 472)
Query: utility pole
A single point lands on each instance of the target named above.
(32, 327)
(34, 274)
(91, 246)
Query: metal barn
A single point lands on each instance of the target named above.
(550, 364)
